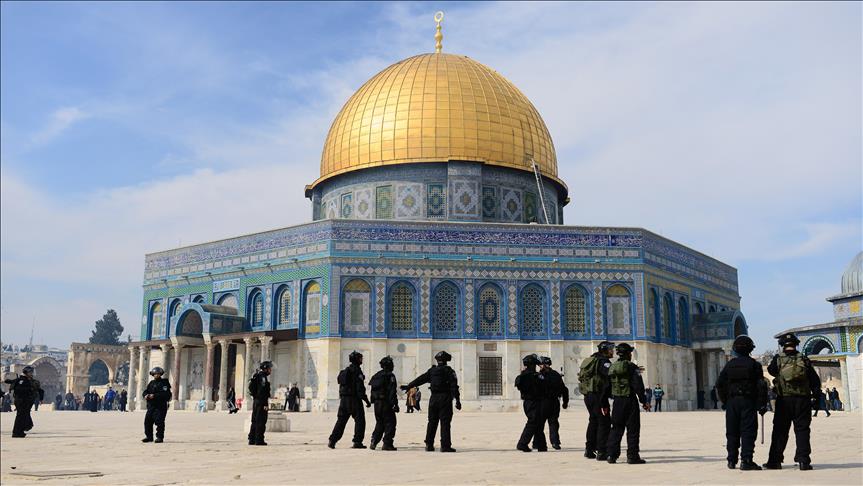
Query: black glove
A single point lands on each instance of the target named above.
(368, 403)
(762, 410)
(458, 404)
(565, 405)
(396, 408)
(405, 387)
(723, 406)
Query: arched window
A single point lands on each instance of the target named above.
(312, 311)
(818, 345)
(283, 312)
(682, 319)
(401, 308)
(490, 324)
(667, 309)
(357, 305)
(199, 299)
(445, 308)
(617, 314)
(533, 315)
(712, 308)
(575, 310)
(699, 309)
(256, 308)
(157, 321)
(652, 312)
(228, 300)
(175, 307)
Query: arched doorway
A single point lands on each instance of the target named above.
(190, 324)
(50, 377)
(121, 376)
(818, 345)
(98, 373)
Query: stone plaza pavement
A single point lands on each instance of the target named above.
(680, 448)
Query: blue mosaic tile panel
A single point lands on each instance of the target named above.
(384, 202)
(435, 201)
(347, 205)
(530, 208)
(489, 203)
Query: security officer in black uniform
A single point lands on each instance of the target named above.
(386, 401)
(259, 389)
(532, 385)
(742, 390)
(25, 392)
(796, 384)
(157, 394)
(555, 390)
(627, 389)
(352, 392)
(444, 388)
(593, 383)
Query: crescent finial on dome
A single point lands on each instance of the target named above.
(438, 36)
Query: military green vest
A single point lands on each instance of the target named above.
(793, 380)
(589, 378)
(620, 377)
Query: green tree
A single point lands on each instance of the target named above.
(108, 329)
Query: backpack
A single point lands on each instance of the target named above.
(378, 383)
(589, 379)
(343, 377)
(793, 379)
(253, 385)
(619, 375)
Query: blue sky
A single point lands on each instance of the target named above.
(126, 128)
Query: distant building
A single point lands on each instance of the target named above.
(49, 365)
(835, 347)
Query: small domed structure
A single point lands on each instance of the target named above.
(852, 279)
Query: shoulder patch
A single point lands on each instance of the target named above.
(607, 364)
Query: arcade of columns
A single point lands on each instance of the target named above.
(139, 368)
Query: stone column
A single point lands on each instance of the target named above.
(166, 348)
(247, 373)
(208, 375)
(133, 375)
(266, 343)
(175, 377)
(144, 352)
(223, 377)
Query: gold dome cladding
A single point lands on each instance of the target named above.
(436, 108)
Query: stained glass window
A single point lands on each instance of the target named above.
(157, 322)
(175, 307)
(357, 302)
(402, 308)
(285, 306)
(682, 319)
(667, 307)
(256, 309)
(533, 310)
(651, 313)
(313, 307)
(489, 311)
(576, 309)
(617, 299)
(445, 303)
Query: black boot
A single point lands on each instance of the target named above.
(523, 448)
(358, 445)
(601, 456)
(447, 449)
(429, 448)
(589, 454)
(145, 439)
(732, 465)
(772, 465)
(804, 466)
(331, 445)
(611, 460)
(749, 466)
(389, 447)
(635, 460)
(373, 444)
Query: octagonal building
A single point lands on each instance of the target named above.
(437, 224)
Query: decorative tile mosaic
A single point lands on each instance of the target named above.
(555, 307)
(638, 285)
(575, 311)
(464, 198)
(490, 323)
(468, 307)
(363, 204)
(357, 306)
(532, 311)
(384, 202)
(489, 203)
(597, 309)
(511, 205)
(409, 201)
(424, 305)
(435, 201)
(513, 308)
(380, 296)
(332, 210)
(530, 208)
(445, 308)
(401, 307)
(347, 205)
(617, 303)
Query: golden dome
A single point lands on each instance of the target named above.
(437, 108)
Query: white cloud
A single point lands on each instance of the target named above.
(58, 122)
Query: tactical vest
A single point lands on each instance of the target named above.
(793, 380)
(439, 379)
(619, 376)
(378, 385)
(589, 378)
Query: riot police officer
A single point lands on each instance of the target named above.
(444, 387)
(386, 401)
(157, 395)
(741, 388)
(532, 385)
(352, 392)
(627, 390)
(555, 390)
(25, 392)
(593, 383)
(259, 389)
(796, 384)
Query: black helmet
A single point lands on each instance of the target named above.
(28, 370)
(266, 365)
(624, 348)
(157, 370)
(443, 356)
(743, 344)
(387, 363)
(605, 346)
(788, 338)
(545, 360)
(355, 357)
(530, 360)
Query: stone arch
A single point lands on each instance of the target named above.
(94, 373)
(81, 358)
(51, 375)
(818, 345)
(190, 323)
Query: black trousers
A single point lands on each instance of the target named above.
(598, 426)
(259, 421)
(625, 416)
(440, 410)
(551, 413)
(535, 426)
(790, 410)
(350, 407)
(657, 407)
(155, 415)
(741, 428)
(23, 421)
(385, 423)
